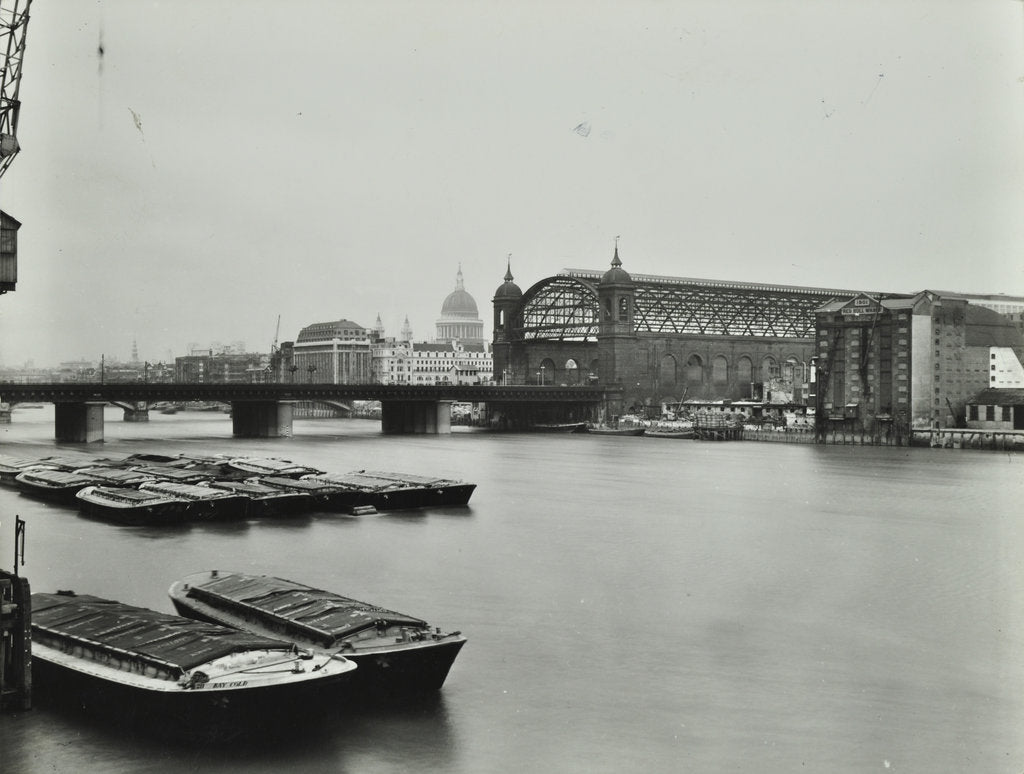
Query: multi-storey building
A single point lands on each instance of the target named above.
(335, 352)
(420, 363)
(219, 367)
(915, 362)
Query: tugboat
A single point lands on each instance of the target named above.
(396, 653)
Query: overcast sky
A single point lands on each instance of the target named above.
(221, 164)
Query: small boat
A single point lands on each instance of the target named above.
(605, 430)
(171, 673)
(265, 500)
(205, 503)
(561, 427)
(387, 491)
(131, 506)
(396, 653)
(270, 466)
(48, 484)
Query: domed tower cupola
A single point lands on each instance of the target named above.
(616, 294)
(506, 302)
(460, 321)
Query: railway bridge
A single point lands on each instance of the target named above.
(265, 410)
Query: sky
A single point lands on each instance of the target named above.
(193, 171)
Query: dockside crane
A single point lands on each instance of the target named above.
(275, 353)
(13, 28)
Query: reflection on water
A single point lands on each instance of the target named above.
(630, 604)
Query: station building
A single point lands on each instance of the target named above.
(653, 341)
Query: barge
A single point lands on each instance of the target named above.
(396, 653)
(263, 500)
(170, 673)
(49, 484)
(131, 506)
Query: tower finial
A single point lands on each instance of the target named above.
(615, 259)
(508, 269)
(458, 278)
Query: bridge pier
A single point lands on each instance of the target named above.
(261, 419)
(416, 417)
(137, 412)
(78, 422)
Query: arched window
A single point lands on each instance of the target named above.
(623, 309)
(769, 369)
(720, 370)
(607, 309)
(694, 370)
(572, 372)
(667, 372)
(744, 370)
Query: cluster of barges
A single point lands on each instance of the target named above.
(245, 651)
(163, 489)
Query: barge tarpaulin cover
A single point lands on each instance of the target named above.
(322, 615)
(166, 641)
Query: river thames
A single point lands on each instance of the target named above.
(631, 604)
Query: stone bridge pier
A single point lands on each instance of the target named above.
(79, 422)
(416, 417)
(262, 419)
(138, 411)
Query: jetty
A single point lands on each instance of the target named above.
(15, 637)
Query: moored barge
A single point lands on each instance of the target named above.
(387, 491)
(204, 503)
(263, 500)
(172, 674)
(396, 653)
(270, 466)
(49, 484)
(131, 506)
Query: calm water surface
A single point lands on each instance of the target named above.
(631, 604)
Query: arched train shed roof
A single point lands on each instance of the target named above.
(565, 307)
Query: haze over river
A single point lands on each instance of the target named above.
(631, 604)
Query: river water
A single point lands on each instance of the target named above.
(631, 604)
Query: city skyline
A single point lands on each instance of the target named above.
(193, 173)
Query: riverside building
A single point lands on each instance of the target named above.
(914, 363)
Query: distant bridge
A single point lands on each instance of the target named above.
(265, 410)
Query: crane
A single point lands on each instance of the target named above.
(277, 331)
(13, 24)
(13, 28)
(275, 353)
